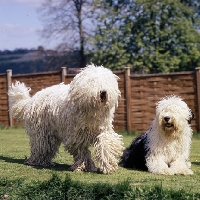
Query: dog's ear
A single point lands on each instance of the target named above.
(192, 117)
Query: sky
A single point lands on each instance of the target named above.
(20, 25)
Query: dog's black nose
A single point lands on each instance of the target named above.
(103, 95)
(167, 118)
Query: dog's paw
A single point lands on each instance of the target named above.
(185, 172)
(39, 163)
(188, 172)
(164, 171)
(167, 171)
(83, 167)
(78, 166)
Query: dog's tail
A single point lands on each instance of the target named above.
(18, 98)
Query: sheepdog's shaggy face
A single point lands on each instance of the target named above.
(173, 115)
(95, 87)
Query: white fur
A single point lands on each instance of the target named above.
(74, 115)
(168, 146)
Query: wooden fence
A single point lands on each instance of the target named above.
(139, 95)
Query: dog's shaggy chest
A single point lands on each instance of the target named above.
(169, 150)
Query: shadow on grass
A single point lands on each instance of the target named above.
(12, 160)
(196, 163)
(57, 167)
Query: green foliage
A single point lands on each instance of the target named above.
(8, 186)
(56, 188)
(151, 36)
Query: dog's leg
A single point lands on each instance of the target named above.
(157, 165)
(44, 147)
(108, 147)
(180, 166)
(82, 161)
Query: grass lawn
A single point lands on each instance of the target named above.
(14, 148)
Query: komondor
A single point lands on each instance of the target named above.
(164, 148)
(78, 115)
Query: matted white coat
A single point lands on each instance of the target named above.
(78, 115)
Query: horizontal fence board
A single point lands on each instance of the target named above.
(145, 91)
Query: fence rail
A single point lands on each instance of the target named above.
(139, 94)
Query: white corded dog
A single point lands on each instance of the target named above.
(165, 147)
(78, 115)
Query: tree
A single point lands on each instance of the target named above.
(69, 22)
(109, 43)
(152, 36)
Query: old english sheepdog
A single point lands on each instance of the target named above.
(165, 147)
(78, 115)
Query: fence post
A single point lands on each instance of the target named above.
(64, 73)
(198, 96)
(128, 99)
(9, 83)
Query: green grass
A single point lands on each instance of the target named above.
(14, 148)
(61, 189)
